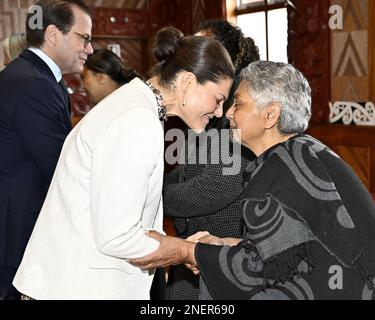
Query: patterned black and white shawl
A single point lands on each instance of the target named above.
(309, 231)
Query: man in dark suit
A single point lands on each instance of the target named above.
(34, 122)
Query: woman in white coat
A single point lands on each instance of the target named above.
(106, 190)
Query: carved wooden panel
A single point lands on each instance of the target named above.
(133, 51)
(117, 22)
(119, 4)
(371, 44)
(309, 50)
(349, 53)
(80, 103)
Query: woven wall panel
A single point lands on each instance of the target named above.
(349, 55)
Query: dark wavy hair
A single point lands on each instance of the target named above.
(205, 57)
(242, 51)
(106, 62)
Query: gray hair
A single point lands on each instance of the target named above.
(281, 83)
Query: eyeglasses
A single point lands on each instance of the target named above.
(86, 39)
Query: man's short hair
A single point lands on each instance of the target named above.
(54, 12)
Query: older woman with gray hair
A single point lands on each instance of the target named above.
(309, 223)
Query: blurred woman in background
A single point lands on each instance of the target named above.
(103, 73)
(13, 46)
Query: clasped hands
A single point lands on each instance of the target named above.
(173, 251)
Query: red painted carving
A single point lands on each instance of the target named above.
(309, 50)
(79, 101)
(119, 22)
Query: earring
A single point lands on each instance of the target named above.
(184, 101)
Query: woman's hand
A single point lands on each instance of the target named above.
(171, 251)
(206, 237)
(197, 236)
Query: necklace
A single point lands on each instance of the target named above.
(159, 101)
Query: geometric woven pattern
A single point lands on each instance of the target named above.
(349, 49)
(353, 61)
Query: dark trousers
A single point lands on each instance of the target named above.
(7, 291)
(158, 286)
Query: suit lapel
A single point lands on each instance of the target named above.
(38, 63)
(44, 68)
(66, 95)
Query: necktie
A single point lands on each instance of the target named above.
(66, 94)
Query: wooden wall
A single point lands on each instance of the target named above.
(371, 44)
(339, 68)
(309, 50)
(355, 144)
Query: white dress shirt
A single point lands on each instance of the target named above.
(50, 63)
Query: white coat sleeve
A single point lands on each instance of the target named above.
(123, 162)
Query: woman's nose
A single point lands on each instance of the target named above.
(219, 111)
(229, 113)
